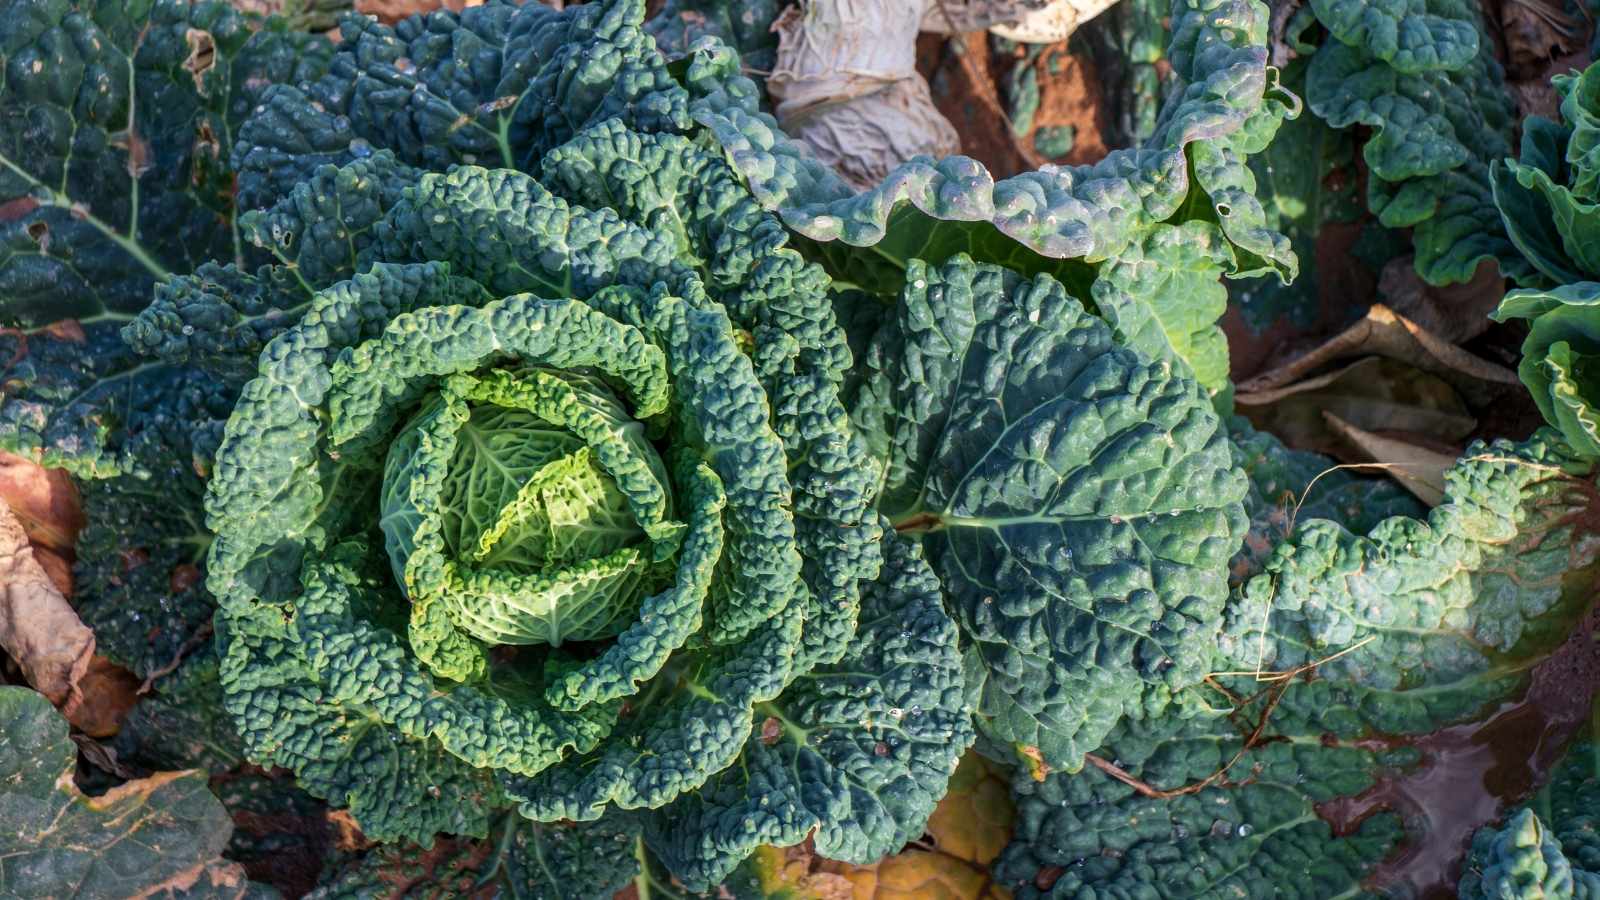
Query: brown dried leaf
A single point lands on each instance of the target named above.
(347, 836)
(1417, 469)
(57, 567)
(101, 757)
(109, 693)
(44, 500)
(1385, 333)
(1536, 31)
(38, 627)
(970, 827)
(1373, 393)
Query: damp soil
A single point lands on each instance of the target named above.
(1471, 773)
(285, 847)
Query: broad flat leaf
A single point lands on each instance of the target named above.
(1163, 297)
(969, 829)
(1050, 469)
(157, 837)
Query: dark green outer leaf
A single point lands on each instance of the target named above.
(499, 85)
(1081, 501)
(113, 150)
(1548, 846)
(1257, 838)
(1300, 194)
(858, 750)
(1458, 606)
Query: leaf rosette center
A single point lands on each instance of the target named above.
(529, 504)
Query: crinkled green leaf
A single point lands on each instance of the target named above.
(1409, 35)
(673, 187)
(510, 235)
(1288, 487)
(1546, 847)
(1437, 127)
(1163, 296)
(1461, 603)
(1523, 860)
(744, 25)
(140, 571)
(220, 317)
(1056, 473)
(1230, 107)
(1305, 181)
(1517, 566)
(858, 751)
(574, 860)
(78, 398)
(691, 726)
(499, 84)
(182, 724)
(1256, 835)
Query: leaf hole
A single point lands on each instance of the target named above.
(202, 54)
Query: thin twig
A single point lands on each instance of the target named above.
(189, 646)
(988, 89)
(1376, 465)
(1274, 694)
(1280, 676)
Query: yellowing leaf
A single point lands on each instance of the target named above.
(968, 830)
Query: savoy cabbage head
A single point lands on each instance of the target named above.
(677, 475)
(554, 457)
(546, 496)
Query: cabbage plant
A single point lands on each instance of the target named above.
(497, 506)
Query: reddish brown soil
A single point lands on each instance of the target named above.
(392, 11)
(968, 103)
(1346, 288)
(1069, 96)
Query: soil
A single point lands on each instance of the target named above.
(965, 87)
(391, 11)
(302, 839)
(1346, 289)
(968, 102)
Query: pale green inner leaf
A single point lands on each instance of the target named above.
(528, 497)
